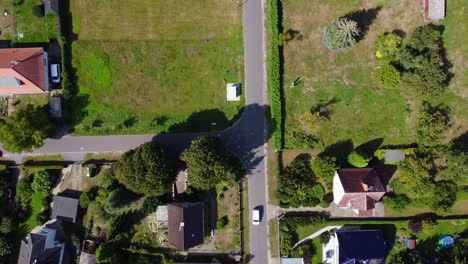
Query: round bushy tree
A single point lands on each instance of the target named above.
(358, 159)
(209, 163)
(340, 34)
(42, 182)
(388, 76)
(325, 167)
(148, 169)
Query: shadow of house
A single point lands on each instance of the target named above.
(364, 19)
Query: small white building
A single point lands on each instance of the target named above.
(434, 10)
(233, 91)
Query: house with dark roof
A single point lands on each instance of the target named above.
(185, 224)
(65, 208)
(44, 245)
(357, 189)
(23, 71)
(361, 246)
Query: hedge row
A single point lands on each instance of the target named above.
(274, 75)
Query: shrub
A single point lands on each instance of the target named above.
(301, 140)
(119, 201)
(358, 159)
(388, 76)
(42, 182)
(399, 202)
(150, 204)
(274, 76)
(24, 190)
(415, 226)
(326, 200)
(222, 222)
(445, 195)
(428, 225)
(340, 34)
(387, 47)
(5, 247)
(426, 82)
(38, 10)
(324, 238)
(325, 167)
(106, 253)
(42, 217)
(431, 125)
(427, 37)
(107, 179)
(7, 225)
(86, 198)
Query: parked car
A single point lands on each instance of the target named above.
(256, 216)
(55, 73)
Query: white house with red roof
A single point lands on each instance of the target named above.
(23, 71)
(357, 189)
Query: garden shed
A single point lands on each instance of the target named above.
(434, 10)
(233, 91)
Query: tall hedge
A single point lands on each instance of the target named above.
(274, 75)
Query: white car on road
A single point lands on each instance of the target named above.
(256, 216)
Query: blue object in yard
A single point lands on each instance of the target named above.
(446, 241)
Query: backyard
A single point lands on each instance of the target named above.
(345, 82)
(24, 23)
(152, 66)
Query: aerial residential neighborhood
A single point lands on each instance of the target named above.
(233, 131)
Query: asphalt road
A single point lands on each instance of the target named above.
(246, 138)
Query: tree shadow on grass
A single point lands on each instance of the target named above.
(364, 18)
(370, 147)
(205, 120)
(340, 150)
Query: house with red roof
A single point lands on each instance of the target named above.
(358, 190)
(23, 71)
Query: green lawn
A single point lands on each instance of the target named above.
(30, 223)
(361, 110)
(29, 26)
(152, 66)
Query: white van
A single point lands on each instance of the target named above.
(55, 73)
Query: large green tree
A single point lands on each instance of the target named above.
(431, 125)
(149, 169)
(341, 34)
(42, 182)
(325, 167)
(209, 163)
(25, 129)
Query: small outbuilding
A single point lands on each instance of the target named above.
(292, 261)
(434, 10)
(65, 209)
(233, 91)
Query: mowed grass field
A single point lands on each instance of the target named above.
(362, 110)
(152, 66)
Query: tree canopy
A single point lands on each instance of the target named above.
(25, 129)
(325, 167)
(209, 163)
(148, 169)
(340, 34)
(42, 182)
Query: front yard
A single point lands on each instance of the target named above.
(151, 66)
(345, 82)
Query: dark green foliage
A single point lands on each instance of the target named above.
(398, 202)
(42, 182)
(325, 167)
(150, 204)
(38, 10)
(324, 238)
(107, 179)
(24, 189)
(117, 225)
(119, 201)
(427, 37)
(5, 247)
(7, 225)
(388, 76)
(426, 82)
(106, 253)
(86, 198)
(326, 200)
(387, 47)
(415, 226)
(415, 178)
(25, 129)
(358, 159)
(148, 169)
(301, 140)
(411, 59)
(455, 164)
(459, 253)
(445, 195)
(274, 76)
(43, 216)
(209, 163)
(405, 256)
(341, 34)
(288, 227)
(431, 125)
(296, 186)
(222, 222)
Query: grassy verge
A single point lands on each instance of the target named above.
(245, 220)
(273, 172)
(228, 237)
(36, 100)
(55, 157)
(274, 74)
(273, 237)
(102, 156)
